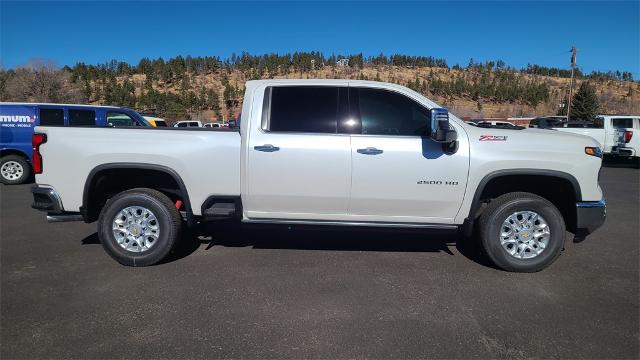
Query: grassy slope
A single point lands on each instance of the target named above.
(614, 95)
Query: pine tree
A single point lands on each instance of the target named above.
(585, 104)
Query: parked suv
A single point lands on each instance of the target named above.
(17, 121)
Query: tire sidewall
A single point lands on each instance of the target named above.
(158, 251)
(26, 170)
(491, 238)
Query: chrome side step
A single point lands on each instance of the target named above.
(64, 218)
(351, 223)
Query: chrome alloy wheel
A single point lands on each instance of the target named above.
(12, 170)
(525, 234)
(136, 229)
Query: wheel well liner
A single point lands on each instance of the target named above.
(88, 203)
(553, 175)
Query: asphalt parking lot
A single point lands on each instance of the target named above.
(300, 293)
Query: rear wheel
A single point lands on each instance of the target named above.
(139, 227)
(14, 170)
(522, 232)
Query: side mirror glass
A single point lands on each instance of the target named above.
(441, 132)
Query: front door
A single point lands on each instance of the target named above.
(299, 166)
(399, 174)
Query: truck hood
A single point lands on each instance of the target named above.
(526, 138)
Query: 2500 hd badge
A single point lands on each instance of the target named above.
(436, 182)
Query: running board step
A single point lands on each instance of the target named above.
(221, 210)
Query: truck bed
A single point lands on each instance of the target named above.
(197, 155)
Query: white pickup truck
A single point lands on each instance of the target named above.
(604, 130)
(326, 152)
(627, 137)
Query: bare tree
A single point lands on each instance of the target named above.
(41, 81)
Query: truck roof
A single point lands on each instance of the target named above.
(56, 104)
(322, 81)
(619, 116)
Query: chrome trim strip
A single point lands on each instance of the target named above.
(64, 218)
(592, 204)
(350, 223)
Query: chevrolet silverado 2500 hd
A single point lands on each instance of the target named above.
(326, 152)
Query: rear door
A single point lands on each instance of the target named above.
(399, 174)
(299, 166)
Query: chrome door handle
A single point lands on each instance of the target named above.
(266, 148)
(370, 151)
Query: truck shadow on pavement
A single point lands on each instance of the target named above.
(327, 239)
(321, 239)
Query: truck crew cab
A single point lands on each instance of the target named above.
(327, 152)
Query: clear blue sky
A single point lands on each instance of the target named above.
(605, 33)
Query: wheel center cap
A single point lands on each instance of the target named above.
(135, 229)
(526, 235)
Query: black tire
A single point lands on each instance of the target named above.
(169, 223)
(490, 226)
(26, 170)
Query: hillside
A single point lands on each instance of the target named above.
(210, 89)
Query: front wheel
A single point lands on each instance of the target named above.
(139, 227)
(522, 232)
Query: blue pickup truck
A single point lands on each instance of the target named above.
(17, 121)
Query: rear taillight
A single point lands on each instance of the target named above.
(36, 141)
(627, 136)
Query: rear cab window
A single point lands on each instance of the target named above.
(622, 122)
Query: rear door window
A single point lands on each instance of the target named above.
(622, 123)
(51, 117)
(82, 117)
(303, 109)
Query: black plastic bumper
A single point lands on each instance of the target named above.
(46, 199)
(590, 215)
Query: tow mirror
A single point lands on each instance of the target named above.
(441, 132)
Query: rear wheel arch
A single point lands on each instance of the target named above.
(6, 152)
(560, 188)
(156, 177)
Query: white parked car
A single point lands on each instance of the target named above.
(497, 124)
(212, 125)
(188, 123)
(330, 153)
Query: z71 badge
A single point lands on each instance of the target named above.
(492, 138)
